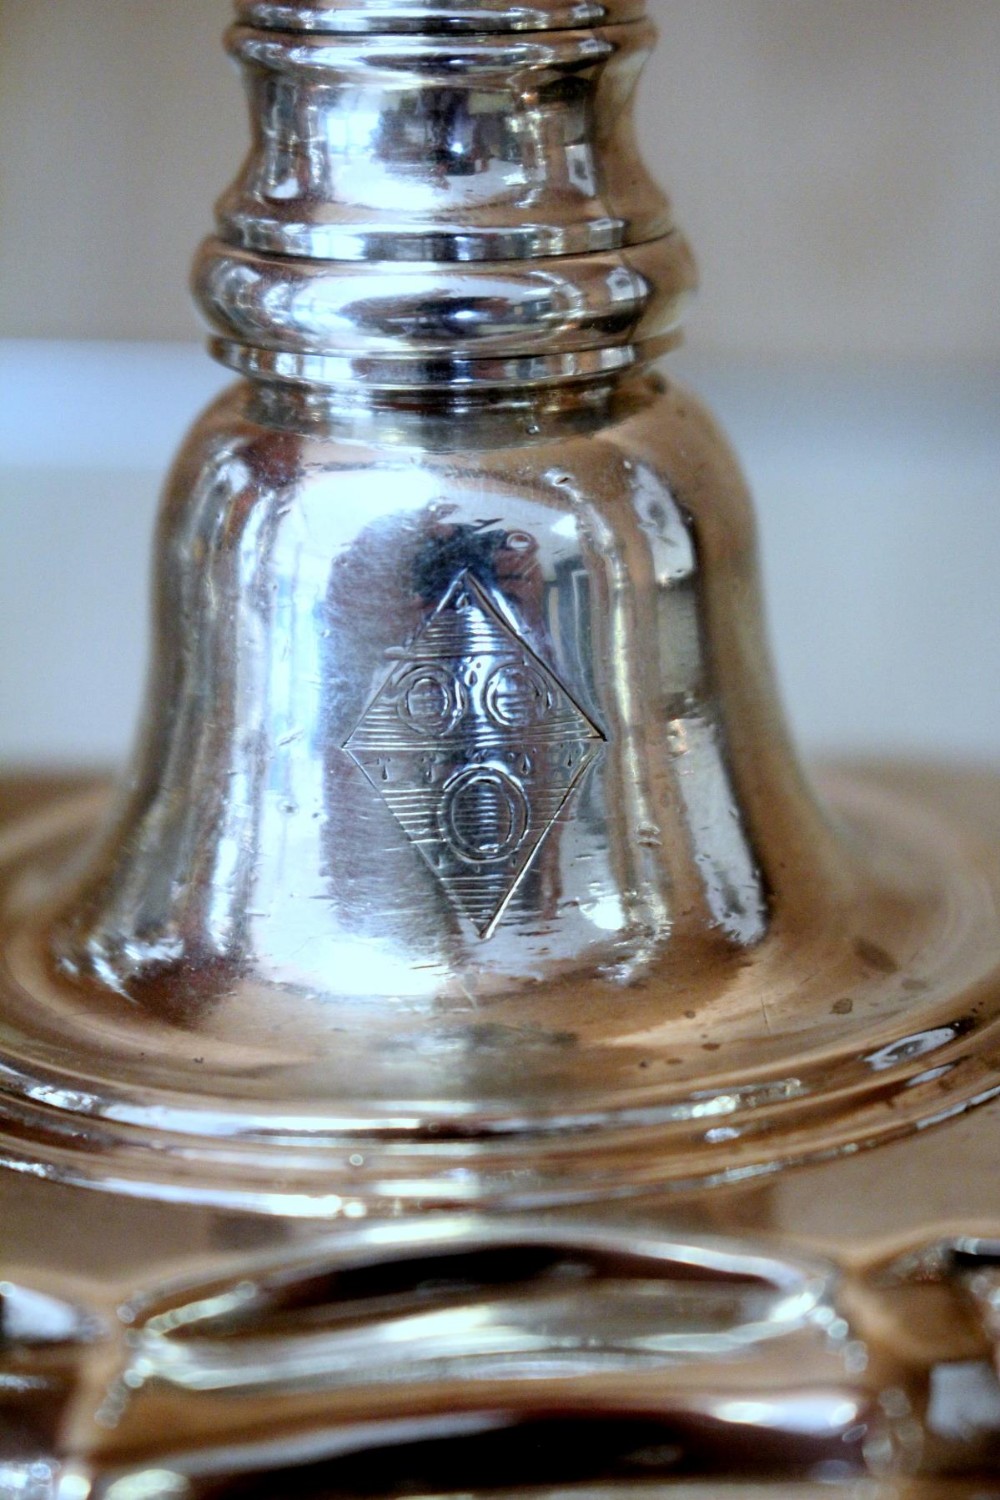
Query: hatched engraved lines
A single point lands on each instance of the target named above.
(476, 748)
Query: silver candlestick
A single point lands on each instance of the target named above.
(450, 1061)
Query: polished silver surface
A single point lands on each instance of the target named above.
(413, 148)
(464, 864)
(451, 213)
(417, 645)
(391, 1355)
(364, 17)
(476, 748)
(471, 567)
(464, 858)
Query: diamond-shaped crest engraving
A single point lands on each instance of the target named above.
(476, 748)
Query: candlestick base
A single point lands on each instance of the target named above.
(879, 1022)
(171, 1245)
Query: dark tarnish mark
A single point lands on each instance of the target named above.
(843, 1007)
(874, 957)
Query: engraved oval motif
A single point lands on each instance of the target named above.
(430, 701)
(484, 815)
(517, 696)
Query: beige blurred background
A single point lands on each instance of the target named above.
(835, 162)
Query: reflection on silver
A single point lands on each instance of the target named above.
(478, 146)
(357, 17)
(732, 879)
(404, 1346)
(35, 1320)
